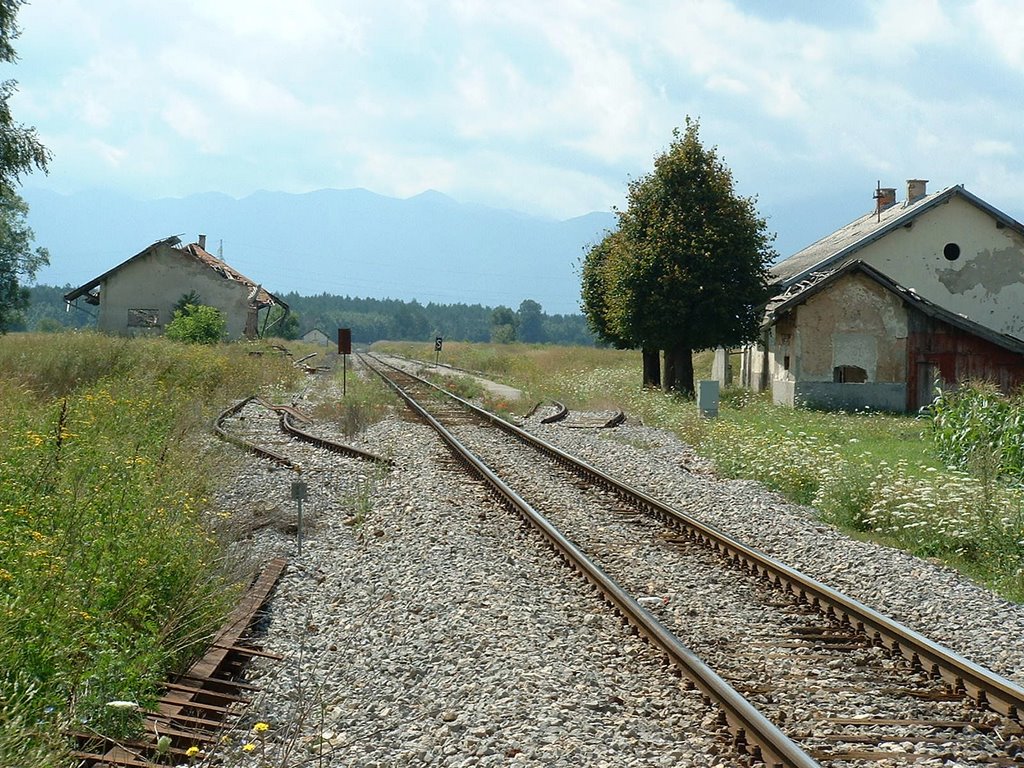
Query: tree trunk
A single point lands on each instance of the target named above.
(652, 368)
(679, 371)
(668, 380)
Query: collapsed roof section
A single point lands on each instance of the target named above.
(259, 297)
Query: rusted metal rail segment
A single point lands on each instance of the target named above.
(196, 705)
(560, 412)
(245, 445)
(287, 414)
(983, 685)
(753, 732)
(329, 445)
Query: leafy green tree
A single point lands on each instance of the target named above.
(18, 260)
(689, 266)
(601, 267)
(20, 152)
(197, 324)
(192, 297)
(284, 325)
(529, 320)
(503, 325)
(20, 148)
(49, 325)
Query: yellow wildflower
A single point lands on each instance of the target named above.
(192, 751)
(260, 728)
(249, 747)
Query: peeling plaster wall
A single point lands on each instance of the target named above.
(986, 282)
(156, 281)
(855, 322)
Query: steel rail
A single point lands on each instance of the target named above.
(245, 445)
(328, 445)
(753, 731)
(172, 716)
(286, 414)
(986, 687)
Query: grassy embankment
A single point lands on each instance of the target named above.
(873, 475)
(109, 575)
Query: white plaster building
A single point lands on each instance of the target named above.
(137, 297)
(872, 315)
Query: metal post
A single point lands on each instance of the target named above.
(298, 494)
(344, 374)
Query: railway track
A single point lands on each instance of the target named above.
(196, 705)
(290, 433)
(881, 692)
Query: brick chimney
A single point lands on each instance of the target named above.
(885, 197)
(202, 242)
(916, 189)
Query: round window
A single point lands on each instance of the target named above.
(951, 251)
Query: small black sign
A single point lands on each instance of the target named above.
(438, 342)
(344, 341)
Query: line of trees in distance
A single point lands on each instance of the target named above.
(370, 319)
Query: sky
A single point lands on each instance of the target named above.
(549, 108)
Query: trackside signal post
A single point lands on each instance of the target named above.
(344, 349)
(438, 343)
(298, 495)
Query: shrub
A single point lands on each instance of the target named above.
(197, 324)
(978, 429)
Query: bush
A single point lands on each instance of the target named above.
(197, 324)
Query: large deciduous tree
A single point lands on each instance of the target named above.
(503, 325)
(530, 322)
(20, 153)
(687, 268)
(18, 260)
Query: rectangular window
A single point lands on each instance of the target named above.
(143, 318)
(849, 374)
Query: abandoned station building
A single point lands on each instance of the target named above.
(138, 296)
(927, 290)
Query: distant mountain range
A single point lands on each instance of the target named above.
(346, 242)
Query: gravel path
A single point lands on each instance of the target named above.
(423, 626)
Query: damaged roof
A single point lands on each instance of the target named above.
(816, 282)
(842, 244)
(258, 296)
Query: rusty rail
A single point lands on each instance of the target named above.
(985, 686)
(196, 704)
(287, 413)
(245, 445)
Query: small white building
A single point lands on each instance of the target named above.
(316, 336)
(138, 296)
(872, 315)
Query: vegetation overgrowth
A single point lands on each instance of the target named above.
(197, 324)
(944, 485)
(109, 575)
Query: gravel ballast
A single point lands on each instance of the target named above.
(423, 625)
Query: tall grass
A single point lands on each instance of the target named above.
(937, 491)
(109, 577)
(366, 400)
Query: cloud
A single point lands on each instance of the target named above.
(545, 106)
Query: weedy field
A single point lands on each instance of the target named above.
(941, 485)
(109, 574)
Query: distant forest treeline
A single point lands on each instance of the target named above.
(370, 319)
